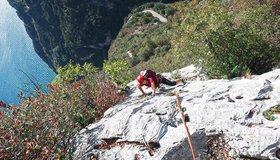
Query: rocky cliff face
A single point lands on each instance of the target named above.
(70, 29)
(231, 109)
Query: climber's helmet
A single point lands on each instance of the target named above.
(140, 79)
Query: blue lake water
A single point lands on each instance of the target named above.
(19, 63)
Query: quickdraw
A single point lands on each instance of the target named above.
(185, 124)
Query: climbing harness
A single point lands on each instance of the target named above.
(185, 124)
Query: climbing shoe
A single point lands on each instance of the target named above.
(162, 89)
(154, 145)
(278, 153)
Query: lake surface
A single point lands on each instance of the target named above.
(19, 63)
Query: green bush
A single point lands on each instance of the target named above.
(269, 114)
(140, 19)
(145, 53)
(44, 127)
(228, 43)
(238, 51)
(73, 72)
(147, 50)
(162, 46)
(118, 71)
(134, 60)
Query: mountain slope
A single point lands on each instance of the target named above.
(226, 38)
(69, 29)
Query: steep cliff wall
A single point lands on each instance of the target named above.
(70, 29)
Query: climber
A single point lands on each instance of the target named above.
(149, 78)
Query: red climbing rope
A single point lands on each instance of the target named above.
(185, 124)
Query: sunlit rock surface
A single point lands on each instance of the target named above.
(233, 108)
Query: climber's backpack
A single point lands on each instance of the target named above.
(148, 73)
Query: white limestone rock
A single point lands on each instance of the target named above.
(232, 107)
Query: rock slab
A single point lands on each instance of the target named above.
(233, 108)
